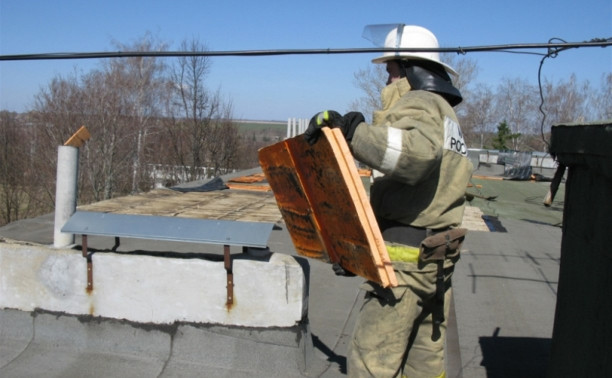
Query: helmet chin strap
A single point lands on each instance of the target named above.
(429, 76)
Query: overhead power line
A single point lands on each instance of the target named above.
(598, 42)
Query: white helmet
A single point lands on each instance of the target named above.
(406, 36)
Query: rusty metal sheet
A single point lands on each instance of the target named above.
(325, 206)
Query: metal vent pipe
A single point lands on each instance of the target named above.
(65, 193)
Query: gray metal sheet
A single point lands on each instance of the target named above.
(249, 234)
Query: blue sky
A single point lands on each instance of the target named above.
(279, 87)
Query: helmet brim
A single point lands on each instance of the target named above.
(386, 58)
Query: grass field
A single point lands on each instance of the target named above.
(257, 126)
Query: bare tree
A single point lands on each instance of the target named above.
(565, 101)
(14, 197)
(200, 132)
(467, 69)
(193, 109)
(516, 103)
(143, 87)
(119, 103)
(224, 143)
(479, 116)
(371, 81)
(108, 154)
(57, 114)
(600, 101)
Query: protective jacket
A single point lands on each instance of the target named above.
(416, 141)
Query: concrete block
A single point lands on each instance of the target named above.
(158, 290)
(268, 292)
(33, 276)
(488, 158)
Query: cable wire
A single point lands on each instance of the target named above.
(553, 51)
(458, 50)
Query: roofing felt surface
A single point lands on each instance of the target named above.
(504, 286)
(521, 200)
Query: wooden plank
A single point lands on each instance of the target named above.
(473, 219)
(79, 138)
(253, 187)
(495, 178)
(258, 177)
(324, 204)
(249, 206)
(362, 202)
(292, 202)
(365, 172)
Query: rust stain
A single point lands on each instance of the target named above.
(229, 306)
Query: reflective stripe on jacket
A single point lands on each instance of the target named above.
(399, 252)
(417, 142)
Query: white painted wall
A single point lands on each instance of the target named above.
(151, 289)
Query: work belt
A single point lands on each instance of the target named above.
(414, 244)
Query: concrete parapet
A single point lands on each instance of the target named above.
(269, 291)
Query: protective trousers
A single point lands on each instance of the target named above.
(395, 334)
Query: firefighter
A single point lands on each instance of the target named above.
(416, 143)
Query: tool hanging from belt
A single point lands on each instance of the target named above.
(437, 248)
(435, 245)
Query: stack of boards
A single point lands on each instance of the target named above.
(325, 206)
